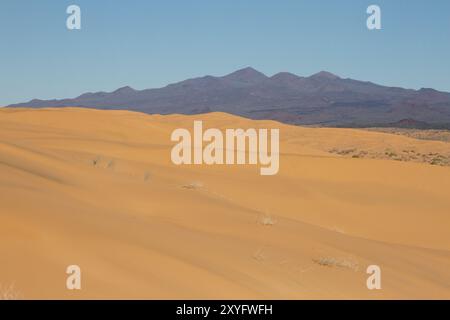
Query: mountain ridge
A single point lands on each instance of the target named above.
(320, 99)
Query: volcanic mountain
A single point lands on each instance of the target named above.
(321, 99)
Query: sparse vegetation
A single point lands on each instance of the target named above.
(340, 263)
(437, 161)
(111, 164)
(390, 154)
(437, 135)
(193, 185)
(342, 152)
(408, 155)
(96, 161)
(259, 255)
(339, 230)
(9, 292)
(267, 220)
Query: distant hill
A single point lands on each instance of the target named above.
(321, 99)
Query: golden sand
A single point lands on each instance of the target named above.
(98, 189)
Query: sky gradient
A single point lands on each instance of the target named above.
(148, 44)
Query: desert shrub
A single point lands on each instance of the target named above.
(95, 162)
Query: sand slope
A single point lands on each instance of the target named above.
(98, 189)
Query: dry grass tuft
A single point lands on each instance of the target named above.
(334, 262)
(9, 292)
(193, 185)
(267, 220)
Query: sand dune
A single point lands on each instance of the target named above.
(98, 189)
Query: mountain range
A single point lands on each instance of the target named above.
(322, 99)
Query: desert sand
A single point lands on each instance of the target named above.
(98, 189)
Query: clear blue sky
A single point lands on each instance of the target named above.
(149, 43)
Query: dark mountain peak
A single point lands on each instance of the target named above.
(86, 95)
(427, 90)
(126, 89)
(431, 91)
(248, 75)
(285, 76)
(324, 75)
(432, 95)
